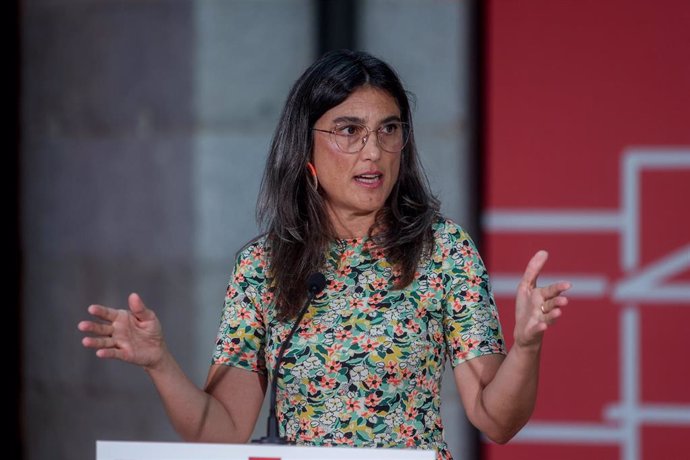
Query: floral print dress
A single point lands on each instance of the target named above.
(364, 367)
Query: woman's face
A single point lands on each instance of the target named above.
(356, 185)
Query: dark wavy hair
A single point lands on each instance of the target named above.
(293, 214)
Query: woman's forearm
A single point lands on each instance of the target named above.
(507, 402)
(195, 414)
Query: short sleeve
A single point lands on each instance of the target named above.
(241, 335)
(471, 324)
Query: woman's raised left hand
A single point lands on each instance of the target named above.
(537, 308)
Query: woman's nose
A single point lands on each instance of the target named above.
(371, 149)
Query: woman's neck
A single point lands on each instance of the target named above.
(351, 225)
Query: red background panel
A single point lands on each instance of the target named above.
(553, 452)
(568, 252)
(570, 85)
(665, 362)
(572, 88)
(585, 353)
(665, 206)
(662, 443)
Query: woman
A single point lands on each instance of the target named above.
(344, 194)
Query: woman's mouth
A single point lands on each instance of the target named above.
(369, 180)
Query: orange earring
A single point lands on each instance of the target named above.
(315, 179)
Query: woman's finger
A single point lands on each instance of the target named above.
(98, 342)
(551, 314)
(555, 289)
(95, 328)
(138, 308)
(102, 312)
(556, 302)
(534, 267)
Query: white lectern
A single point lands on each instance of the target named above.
(125, 450)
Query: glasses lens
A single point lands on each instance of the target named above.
(349, 138)
(393, 136)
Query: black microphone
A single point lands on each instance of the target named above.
(315, 284)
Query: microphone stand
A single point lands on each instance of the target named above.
(316, 283)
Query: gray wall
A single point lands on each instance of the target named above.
(145, 127)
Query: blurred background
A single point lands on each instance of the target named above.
(141, 129)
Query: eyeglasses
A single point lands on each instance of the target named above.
(352, 137)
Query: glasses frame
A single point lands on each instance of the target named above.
(334, 134)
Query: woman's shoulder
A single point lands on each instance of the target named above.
(450, 237)
(445, 229)
(256, 247)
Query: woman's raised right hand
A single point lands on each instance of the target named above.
(134, 336)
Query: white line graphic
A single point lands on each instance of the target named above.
(583, 285)
(622, 420)
(643, 286)
(536, 221)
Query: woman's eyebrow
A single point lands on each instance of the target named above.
(389, 119)
(361, 121)
(346, 119)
